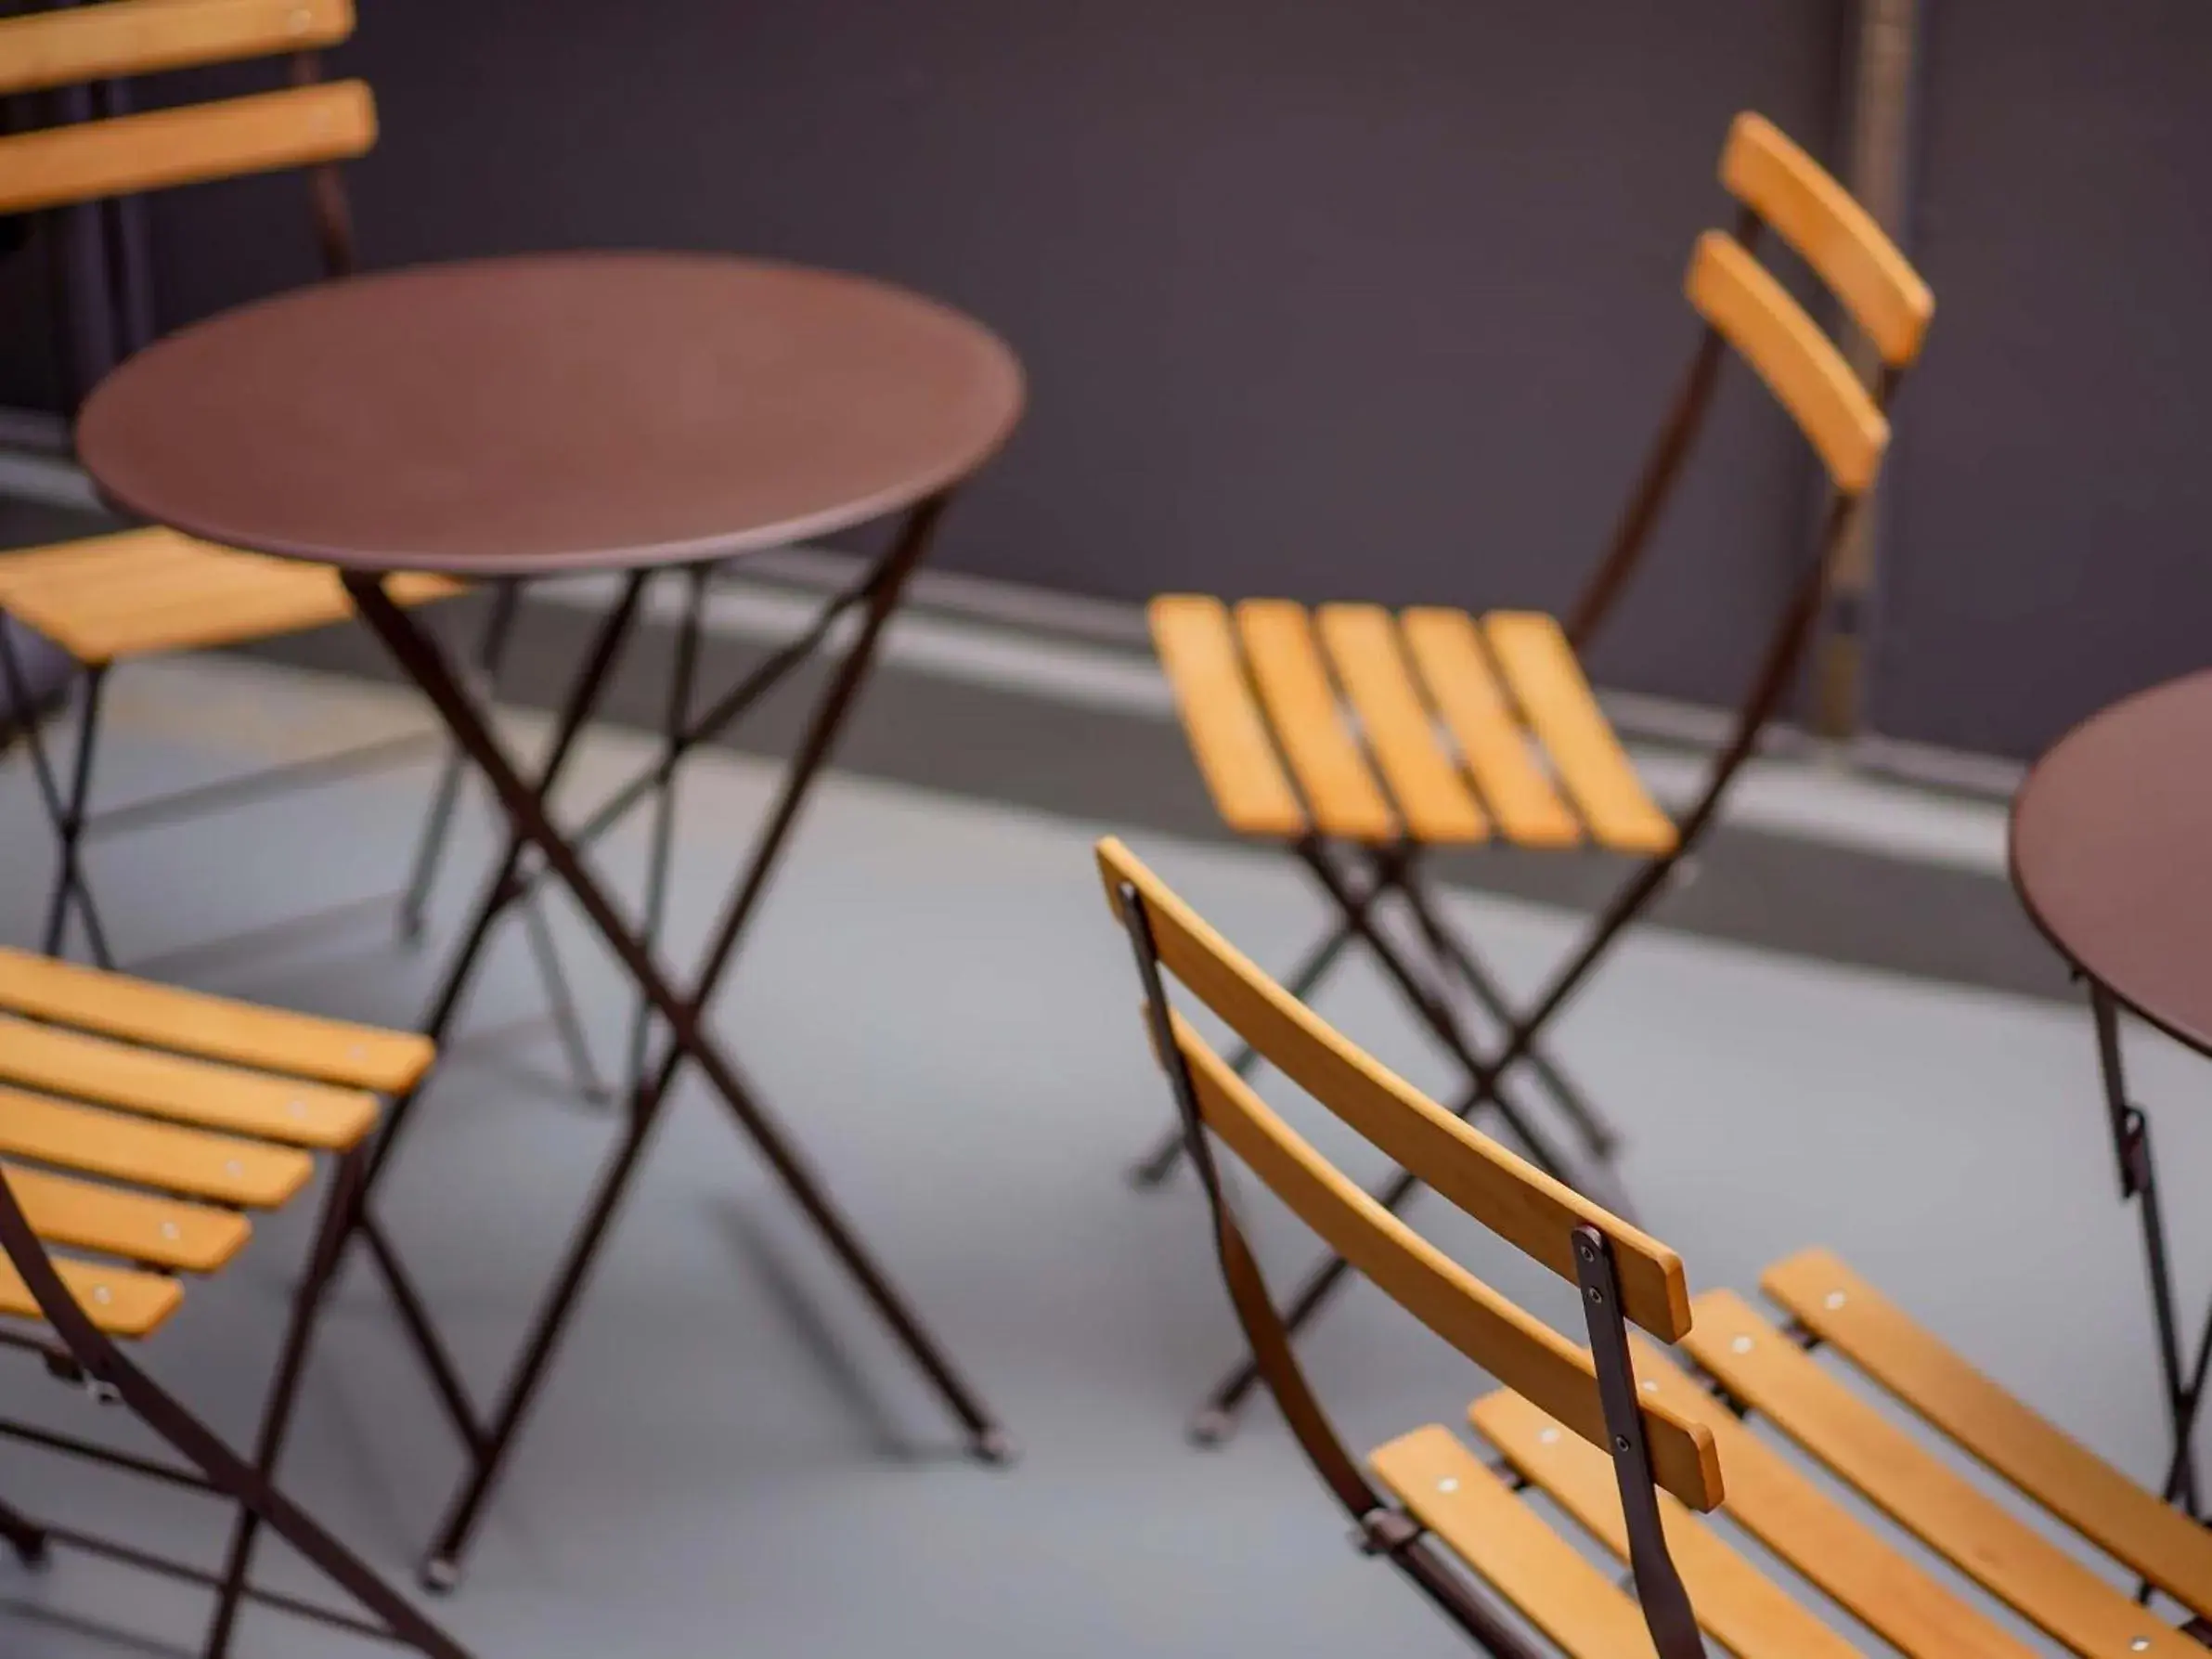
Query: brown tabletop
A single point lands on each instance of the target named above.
(551, 412)
(2112, 852)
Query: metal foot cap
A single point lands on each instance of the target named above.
(994, 1446)
(1212, 1426)
(440, 1574)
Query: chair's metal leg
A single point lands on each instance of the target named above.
(24, 1535)
(430, 850)
(568, 1024)
(68, 878)
(340, 1208)
(682, 671)
(2139, 1180)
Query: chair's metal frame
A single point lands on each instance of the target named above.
(1381, 1527)
(1396, 869)
(85, 1356)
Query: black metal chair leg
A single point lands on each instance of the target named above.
(24, 1535)
(68, 876)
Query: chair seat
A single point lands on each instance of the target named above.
(1429, 725)
(137, 1121)
(110, 598)
(1472, 1509)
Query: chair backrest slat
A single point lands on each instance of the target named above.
(299, 126)
(1838, 238)
(138, 37)
(1799, 363)
(1520, 1351)
(1512, 1197)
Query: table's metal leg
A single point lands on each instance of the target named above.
(682, 672)
(429, 850)
(688, 1041)
(2139, 1180)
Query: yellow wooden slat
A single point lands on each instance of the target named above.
(1800, 365)
(218, 1028)
(119, 1302)
(2050, 1589)
(122, 1148)
(1361, 642)
(1448, 650)
(207, 1093)
(2097, 1500)
(1546, 682)
(1518, 1349)
(1767, 173)
(129, 153)
(114, 1221)
(1476, 1514)
(1742, 1609)
(1522, 1205)
(1228, 738)
(1864, 1574)
(138, 37)
(1301, 707)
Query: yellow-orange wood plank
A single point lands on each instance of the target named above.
(1228, 738)
(1539, 666)
(136, 1226)
(1448, 650)
(207, 1093)
(2096, 1499)
(118, 1300)
(162, 1156)
(1742, 1609)
(189, 144)
(1761, 1366)
(1301, 707)
(1450, 1491)
(138, 37)
(1800, 365)
(1762, 169)
(1863, 1574)
(1518, 1349)
(219, 1028)
(1527, 1207)
(1361, 642)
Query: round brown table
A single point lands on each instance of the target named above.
(2111, 852)
(524, 416)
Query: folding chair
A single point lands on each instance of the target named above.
(1359, 739)
(138, 1125)
(1627, 1441)
(147, 592)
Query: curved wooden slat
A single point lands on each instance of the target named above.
(2017, 1564)
(1547, 683)
(1520, 1351)
(1512, 1197)
(2097, 1500)
(1838, 238)
(217, 1028)
(1294, 688)
(119, 1302)
(206, 1093)
(135, 1226)
(1864, 1574)
(1800, 365)
(1446, 647)
(1361, 643)
(1228, 738)
(138, 37)
(1446, 1489)
(189, 145)
(1740, 1607)
(161, 1156)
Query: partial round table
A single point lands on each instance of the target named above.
(2112, 855)
(554, 414)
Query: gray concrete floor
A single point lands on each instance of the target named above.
(733, 1457)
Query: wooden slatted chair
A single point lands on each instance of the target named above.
(145, 592)
(1359, 738)
(1631, 1443)
(139, 1127)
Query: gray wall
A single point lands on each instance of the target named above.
(1383, 299)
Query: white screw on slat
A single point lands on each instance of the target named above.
(234, 1169)
(1650, 1385)
(1449, 1484)
(101, 1294)
(1742, 1345)
(170, 1232)
(1834, 1299)
(1547, 1437)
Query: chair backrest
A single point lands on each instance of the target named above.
(305, 125)
(1538, 1215)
